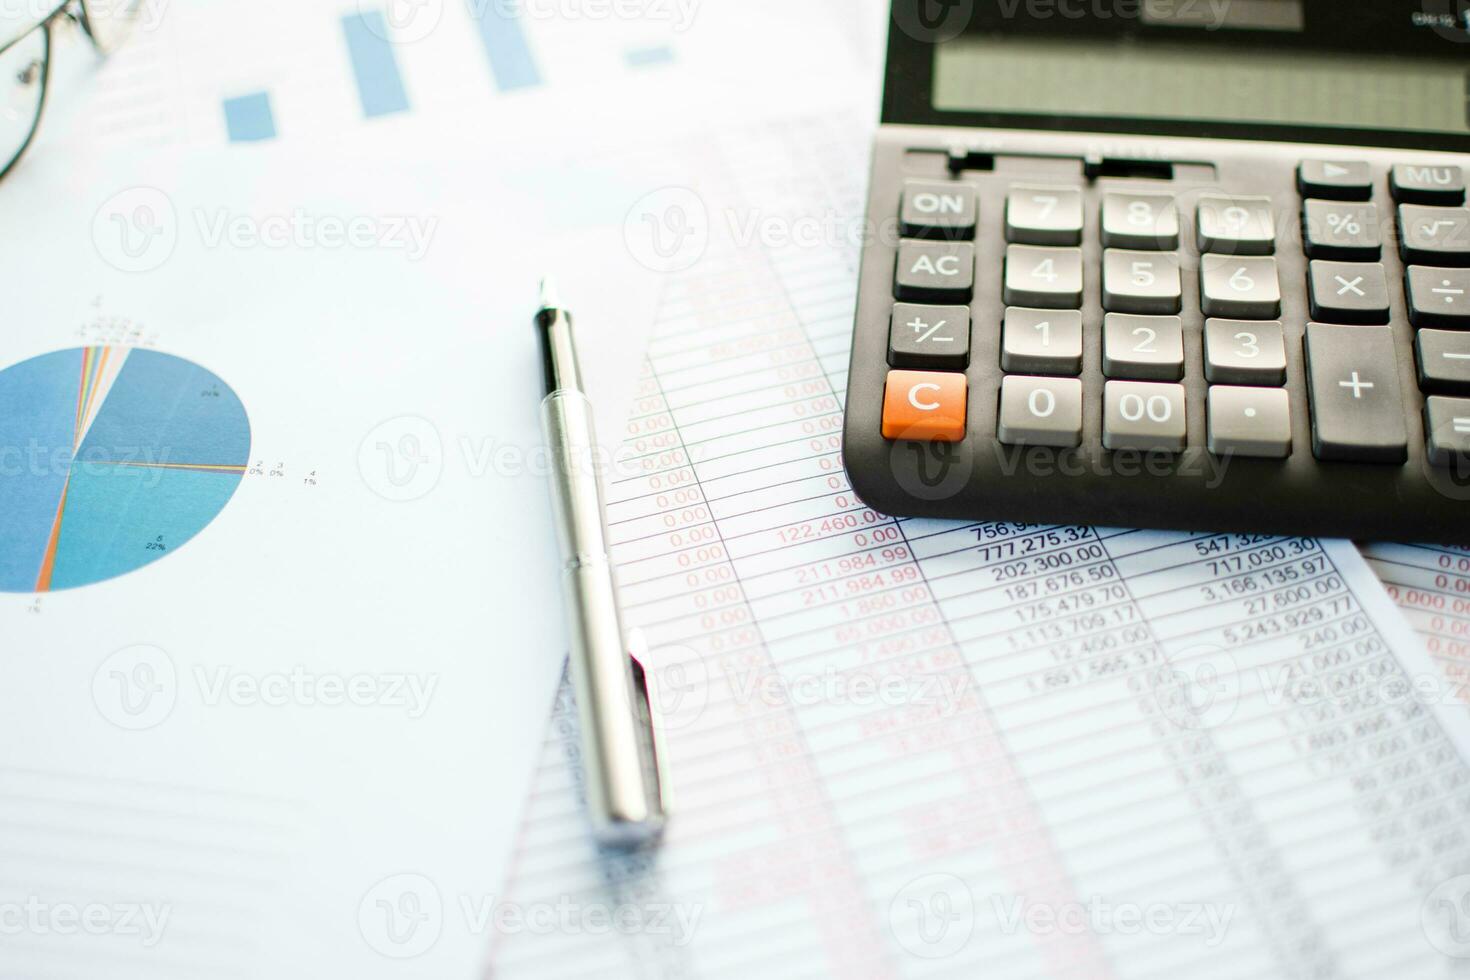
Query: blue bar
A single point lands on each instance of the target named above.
(649, 57)
(379, 85)
(249, 117)
(505, 45)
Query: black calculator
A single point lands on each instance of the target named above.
(1171, 264)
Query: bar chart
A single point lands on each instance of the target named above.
(252, 74)
(372, 52)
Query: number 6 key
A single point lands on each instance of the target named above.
(1243, 287)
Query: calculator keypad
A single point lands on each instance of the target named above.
(1439, 297)
(1443, 357)
(1140, 221)
(935, 272)
(1338, 230)
(1236, 225)
(1143, 416)
(1241, 287)
(1434, 236)
(1140, 282)
(1040, 276)
(1249, 422)
(1041, 341)
(1348, 292)
(1447, 424)
(1353, 382)
(1040, 411)
(1039, 215)
(1143, 347)
(1245, 352)
(929, 337)
(926, 406)
(938, 209)
(1418, 184)
(1337, 180)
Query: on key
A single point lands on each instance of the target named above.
(1353, 384)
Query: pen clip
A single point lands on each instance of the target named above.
(645, 697)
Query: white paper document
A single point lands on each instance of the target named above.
(279, 604)
(1431, 584)
(920, 748)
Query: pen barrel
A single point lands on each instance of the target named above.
(623, 795)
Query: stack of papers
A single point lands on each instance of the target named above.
(912, 747)
(279, 603)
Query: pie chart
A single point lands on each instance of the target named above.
(111, 458)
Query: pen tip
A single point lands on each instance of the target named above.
(549, 299)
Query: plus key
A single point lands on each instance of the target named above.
(1353, 382)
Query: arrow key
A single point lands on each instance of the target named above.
(1336, 180)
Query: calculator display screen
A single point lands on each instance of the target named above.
(1102, 78)
(1379, 73)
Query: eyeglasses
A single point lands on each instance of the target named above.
(25, 65)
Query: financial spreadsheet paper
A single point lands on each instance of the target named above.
(918, 748)
(1431, 584)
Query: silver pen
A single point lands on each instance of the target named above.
(619, 752)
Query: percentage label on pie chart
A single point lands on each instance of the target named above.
(110, 459)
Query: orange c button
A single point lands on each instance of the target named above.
(925, 405)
